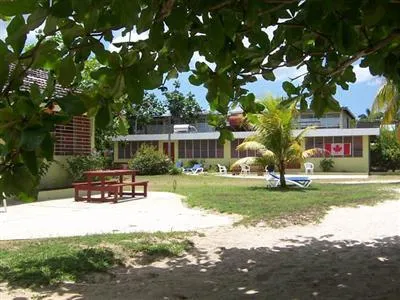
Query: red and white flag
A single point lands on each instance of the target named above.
(338, 149)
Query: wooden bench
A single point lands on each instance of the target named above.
(133, 192)
(96, 187)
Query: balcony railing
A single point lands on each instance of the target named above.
(165, 129)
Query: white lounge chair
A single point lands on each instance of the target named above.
(301, 181)
(244, 169)
(195, 170)
(222, 169)
(309, 168)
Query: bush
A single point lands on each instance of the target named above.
(78, 164)
(326, 164)
(149, 161)
(175, 170)
(385, 152)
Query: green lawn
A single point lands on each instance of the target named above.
(48, 261)
(251, 199)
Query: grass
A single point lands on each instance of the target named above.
(34, 263)
(251, 199)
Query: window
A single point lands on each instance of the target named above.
(200, 149)
(127, 150)
(352, 145)
(241, 154)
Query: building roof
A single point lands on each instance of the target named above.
(245, 134)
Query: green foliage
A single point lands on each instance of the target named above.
(273, 137)
(143, 113)
(326, 164)
(182, 108)
(385, 152)
(325, 37)
(175, 170)
(387, 102)
(149, 161)
(76, 165)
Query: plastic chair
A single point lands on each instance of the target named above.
(222, 169)
(244, 169)
(309, 167)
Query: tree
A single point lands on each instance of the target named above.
(273, 137)
(143, 113)
(182, 108)
(324, 37)
(385, 152)
(387, 101)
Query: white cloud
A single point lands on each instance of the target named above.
(132, 37)
(288, 73)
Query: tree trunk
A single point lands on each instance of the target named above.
(282, 174)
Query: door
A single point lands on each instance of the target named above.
(165, 150)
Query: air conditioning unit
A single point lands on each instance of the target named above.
(184, 128)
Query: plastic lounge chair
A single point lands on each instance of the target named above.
(222, 169)
(301, 181)
(309, 167)
(195, 170)
(244, 169)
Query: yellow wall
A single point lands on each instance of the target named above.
(342, 164)
(57, 176)
(347, 164)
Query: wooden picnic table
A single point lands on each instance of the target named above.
(106, 185)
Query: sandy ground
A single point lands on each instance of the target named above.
(158, 212)
(354, 253)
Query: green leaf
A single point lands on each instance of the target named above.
(225, 134)
(146, 17)
(30, 160)
(289, 88)
(268, 75)
(172, 74)
(152, 81)
(12, 7)
(51, 25)
(193, 79)
(103, 117)
(66, 71)
(373, 13)
(36, 18)
(32, 138)
(71, 104)
(36, 95)
(48, 147)
(156, 38)
(4, 65)
(16, 34)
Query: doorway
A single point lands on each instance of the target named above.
(165, 150)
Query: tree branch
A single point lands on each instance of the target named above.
(382, 43)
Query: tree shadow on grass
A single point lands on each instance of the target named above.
(301, 268)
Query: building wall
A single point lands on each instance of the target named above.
(342, 164)
(74, 138)
(347, 164)
(57, 176)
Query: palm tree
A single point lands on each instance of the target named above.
(388, 101)
(274, 138)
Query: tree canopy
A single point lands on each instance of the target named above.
(240, 40)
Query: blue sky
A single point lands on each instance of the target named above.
(358, 98)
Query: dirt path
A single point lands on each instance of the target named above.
(354, 253)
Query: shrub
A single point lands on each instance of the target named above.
(175, 170)
(78, 164)
(326, 164)
(149, 161)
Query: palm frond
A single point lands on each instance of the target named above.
(250, 160)
(314, 151)
(250, 145)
